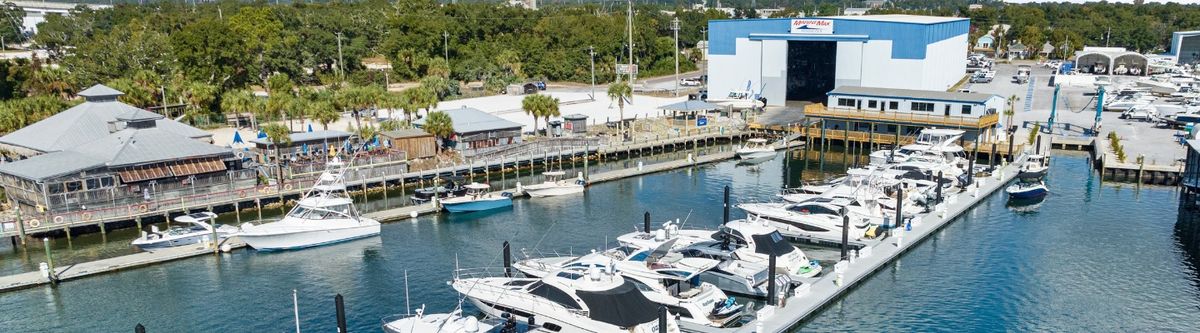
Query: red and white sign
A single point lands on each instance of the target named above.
(811, 26)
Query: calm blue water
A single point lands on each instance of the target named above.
(1092, 258)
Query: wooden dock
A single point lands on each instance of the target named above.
(875, 255)
(75, 271)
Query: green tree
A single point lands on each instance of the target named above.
(323, 112)
(239, 102)
(439, 125)
(620, 92)
(538, 105)
(279, 136)
(210, 51)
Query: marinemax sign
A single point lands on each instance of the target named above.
(810, 26)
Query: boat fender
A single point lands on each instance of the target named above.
(58, 219)
(287, 187)
(241, 193)
(143, 208)
(580, 182)
(87, 216)
(34, 223)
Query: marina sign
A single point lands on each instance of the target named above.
(626, 69)
(810, 26)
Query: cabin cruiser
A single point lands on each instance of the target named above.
(454, 322)
(569, 300)
(819, 217)
(1159, 84)
(450, 187)
(477, 199)
(198, 229)
(664, 277)
(555, 185)
(741, 240)
(1027, 189)
(932, 141)
(324, 215)
(755, 148)
(872, 185)
(1035, 167)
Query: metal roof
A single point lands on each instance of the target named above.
(308, 136)
(122, 148)
(405, 133)
(912, 94)
(84, 123)
(471, 120)
(897, 18)
(100, 90)
(50, 165)
(690, 106)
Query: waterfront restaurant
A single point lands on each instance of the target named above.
(103, 156)
(475, 129)
(303, 144)
(882, 113)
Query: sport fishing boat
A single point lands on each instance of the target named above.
(198, 230)
(477, 199)
(555, 185)
(324, 215)
(572, 300)
(755, 148)
(664, 277)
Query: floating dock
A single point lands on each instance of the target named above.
(874, 255)
(75, 271)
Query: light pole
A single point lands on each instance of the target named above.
(675, 28)
(592, 59)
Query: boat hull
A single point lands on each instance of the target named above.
(477, 205)
(550, 191)
(181, 241)
(1026, 192)
(755, 154)
(306, 239)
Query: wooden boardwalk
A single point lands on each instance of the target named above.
(75, 271)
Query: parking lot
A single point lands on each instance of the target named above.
(1076, 107)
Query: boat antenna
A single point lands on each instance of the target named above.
(685, 218)
(407, 305)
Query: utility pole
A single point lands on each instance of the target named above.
(675, 28)
(592, 56)
(629, 19)
(341, 69)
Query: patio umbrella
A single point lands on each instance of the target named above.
(309, 128)
(237, 137)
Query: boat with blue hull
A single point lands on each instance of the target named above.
(1027, 190)
(477, 199)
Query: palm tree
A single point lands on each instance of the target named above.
(620, 91)
(50, 80)
(439, 125)
(550, 111)
(236, 101)
(1010, 112)
(278, 135)
(322, 112)
(199, 98)
(535, 106)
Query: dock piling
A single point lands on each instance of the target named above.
(340, 307)
(940, 178)
(771, 279)
(507, 259)
(845, 232)
(139, 328)
(900, 208)
(662, 319)
(50, 261)
(725, 217)
(258, 207)
(646, 223)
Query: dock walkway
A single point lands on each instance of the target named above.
(876, 253)
(75, 271)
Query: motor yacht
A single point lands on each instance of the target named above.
(478, 198)
(570, 300)
(197, 228)
(755, 148)
(933, 141)
(740, 240)
(555, 185)
(324, 215)
(818, 217)
(455, 322)
(664, 277)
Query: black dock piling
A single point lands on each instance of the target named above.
(340, 304)
(662, 319)
(646, 223)
(899, 208)
(726, 216)
(771, 279)
(971, 171)
(845, 233)
(1037, 146)
(507, 260)
(139, 328)
(992, 158)
(940, 178)
(1011, 131)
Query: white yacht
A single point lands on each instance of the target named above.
(664, 277)
(931, 141)
(755, 148)
(197, 230)
(739, 100)
(820, 217)
(741, 240)
(324, 215)
(555, 185)
(730, 274)
(573, 300)
(453, 322)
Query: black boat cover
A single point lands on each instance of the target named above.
(623, 306)
(772, 243)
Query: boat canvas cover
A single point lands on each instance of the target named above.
(772, 243)
(623, 306)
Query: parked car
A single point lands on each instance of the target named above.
(690, 82)
(1142, 113)
(541, 85)
(980, 77)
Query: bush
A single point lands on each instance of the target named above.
(1115, 142)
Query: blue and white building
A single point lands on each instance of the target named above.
(1185, 47)
(805, 58)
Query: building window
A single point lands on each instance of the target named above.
(871, 104)
(845, 102)
(893, 105)
(966, 109)
(922, 106)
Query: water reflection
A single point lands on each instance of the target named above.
(1026, 205)
(1187, 232)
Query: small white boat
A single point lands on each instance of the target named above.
(200, 230)
(755, 148)
(555, 185)
(739, 100)
(324, 215)
(1035, 167)
(477, 199)
(1027, 190)
(453, 322)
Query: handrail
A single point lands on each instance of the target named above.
(815, 110)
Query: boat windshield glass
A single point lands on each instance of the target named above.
(335, 211)
(772, 243)
(554, 295)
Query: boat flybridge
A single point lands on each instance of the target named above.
(929, 142)
(323, 215)
(730, 274)
(745, 242)
(198, 229)
(872, 184)
(664, 277)
(755, 148)
(569, 300)
(555, 185)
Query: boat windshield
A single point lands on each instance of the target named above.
(309, 213)
(772, 243)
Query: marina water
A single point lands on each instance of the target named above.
(1092, 257)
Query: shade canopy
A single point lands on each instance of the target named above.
(690, 106)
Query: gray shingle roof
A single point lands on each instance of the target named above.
(911, 94)
(471, 120)
(150, 145)
(405, 133)
(50, 165)
(85, 123)
(100, 90)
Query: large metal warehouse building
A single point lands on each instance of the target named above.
(803, 59)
